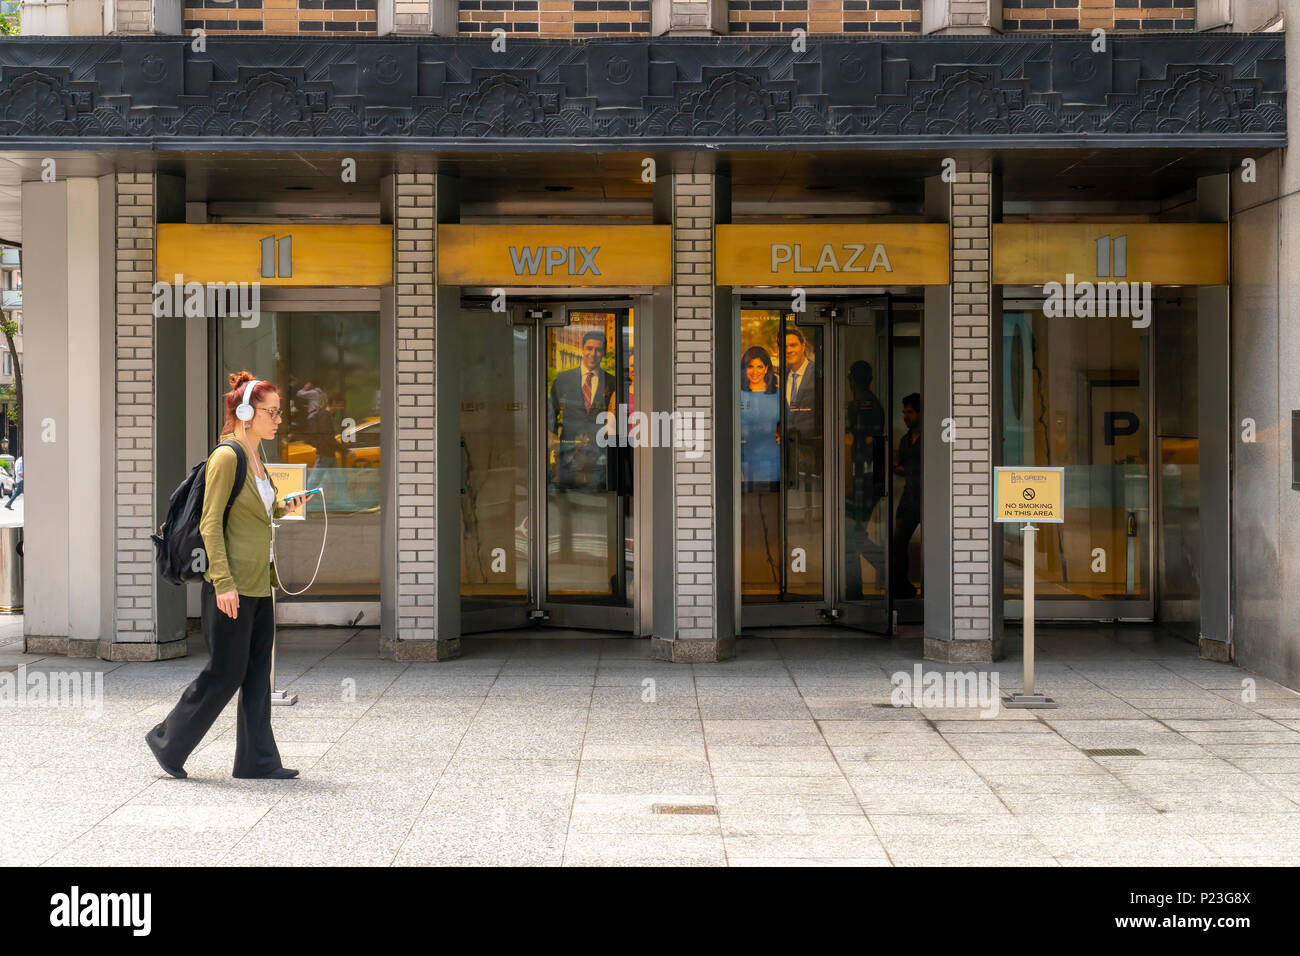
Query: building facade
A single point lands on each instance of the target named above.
(680, 320)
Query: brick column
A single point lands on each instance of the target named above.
(1093, 14)
(436, 17)
(413, 605)
(703, 525)
(961, 17)
(975, 622)
(149, 16)
(136, 585)
(688, 17)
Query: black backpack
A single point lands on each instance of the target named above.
(178, 546)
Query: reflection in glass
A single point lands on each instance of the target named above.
(326, 365)
(1177, 401)
(866, 456)
(1075, 394)
(907, 516)
(907, 534)
(495, 415)
(589, 482)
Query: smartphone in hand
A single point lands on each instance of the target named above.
(292, 500)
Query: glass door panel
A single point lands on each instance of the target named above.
(326, 366)
(905, 541)
(588, 474)
(863, 518)
(762, 532)
(814, 464)
(782, 414)
(496, 413)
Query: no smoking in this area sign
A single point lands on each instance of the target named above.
(1029, 494)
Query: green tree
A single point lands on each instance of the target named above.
(13, 394)
(8, 24)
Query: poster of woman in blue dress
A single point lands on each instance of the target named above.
(760, 419)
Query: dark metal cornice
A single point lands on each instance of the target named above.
(277, 93)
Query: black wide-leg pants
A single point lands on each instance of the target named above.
(240, 661)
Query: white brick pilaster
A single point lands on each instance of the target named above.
(972, 449)
(698, 505)
(134, 432)
(414, 212)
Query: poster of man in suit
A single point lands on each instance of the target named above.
(803, 420)
(578, 396)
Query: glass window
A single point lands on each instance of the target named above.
(495, 419)
(326, 365)
(1075, 394)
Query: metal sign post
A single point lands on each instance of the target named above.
(277, 696)
(1027, 699)
(1028, 495)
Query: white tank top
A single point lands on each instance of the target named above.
(268, 499)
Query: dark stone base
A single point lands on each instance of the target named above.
(679, 651)
(1212, 650)
(394, 650)
(984, 651)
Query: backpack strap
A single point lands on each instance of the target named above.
(241, 475)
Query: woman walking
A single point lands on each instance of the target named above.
(237, 611)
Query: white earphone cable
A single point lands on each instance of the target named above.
(325, 532)
(324, 537)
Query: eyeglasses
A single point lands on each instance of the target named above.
(274, 414)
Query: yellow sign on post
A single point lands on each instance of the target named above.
(1029, 494)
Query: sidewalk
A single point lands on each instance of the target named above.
(552, 752)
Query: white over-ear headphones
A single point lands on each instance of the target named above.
(244, 411)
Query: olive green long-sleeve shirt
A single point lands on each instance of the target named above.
(239, 560)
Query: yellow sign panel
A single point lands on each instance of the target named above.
(554, 255)
(1029, 494)
(276, 254)
(833, 254)
(1159, 253)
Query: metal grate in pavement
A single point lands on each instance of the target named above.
(1113, 752)
(693, 808)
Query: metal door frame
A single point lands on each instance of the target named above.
(537, 610)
